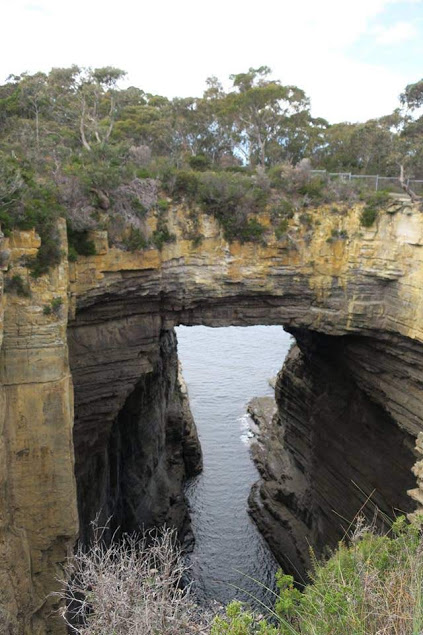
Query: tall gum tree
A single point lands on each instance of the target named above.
(262, 109)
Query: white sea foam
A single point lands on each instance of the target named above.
(245, 423)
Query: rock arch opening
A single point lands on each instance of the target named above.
(344, 428)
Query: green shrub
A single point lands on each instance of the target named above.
(6, 222)
(196, 239)
(231, 199)
(161, 234)
(239, 169)
(368, 216)
(378, 199)
(17, 285)
(103, 168)
(143, 173)
(180, 183)
(72, 254)
(48, 255)
(306, 219)
(374, 202)
(162, 205)
(337, 234)
(239, 621)
(54, 307)
(136, 241)
(30, 202)
(251, 231)
(284, 208)
(79, 243)
(275, 174)
(56, 304)
(199, 162)
(313, 189)
(139, 209)
(371, 586)
(282, 228)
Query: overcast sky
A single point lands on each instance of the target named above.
(352, 58)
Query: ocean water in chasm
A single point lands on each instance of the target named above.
(224, 368)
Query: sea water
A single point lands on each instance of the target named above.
(224, 368)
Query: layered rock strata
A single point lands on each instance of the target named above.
(361, 287)
(38, 515)
(330, 452)
(130, 467)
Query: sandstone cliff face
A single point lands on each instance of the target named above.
(38, 518)
(130, 422)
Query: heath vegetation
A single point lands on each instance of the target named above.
(74, 144)
(370, 585)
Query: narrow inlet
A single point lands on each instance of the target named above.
(224, 368)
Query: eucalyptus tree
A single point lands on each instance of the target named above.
(263, 111)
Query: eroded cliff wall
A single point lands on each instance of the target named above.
(131, 463)
(331, 277)
(38, 516)
(332, 451)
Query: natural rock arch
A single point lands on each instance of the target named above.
(363, 291)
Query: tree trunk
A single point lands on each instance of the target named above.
(406, 187)
(82, 128)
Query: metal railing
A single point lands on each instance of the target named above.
(375, 181)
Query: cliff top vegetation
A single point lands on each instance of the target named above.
(371, 585)
(73, 143)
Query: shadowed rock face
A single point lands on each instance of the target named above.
(331, 451)
(355, 306)
(131, 469)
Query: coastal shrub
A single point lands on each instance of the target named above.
(371, 586)
(374, 202)
(131, 586)
(79, 243)
(161, 235)
(17, 285)
(368, 216)
(282, 228)
(180, 184)
(136, 240)
(54, 307)
(199, 162)
(232, 199)
(313, 190)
